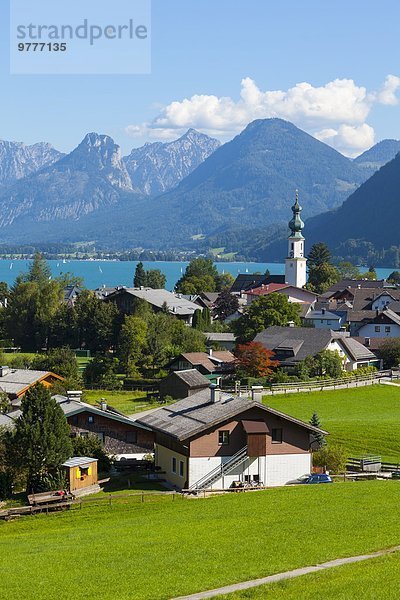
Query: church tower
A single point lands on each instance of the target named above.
(295, 264)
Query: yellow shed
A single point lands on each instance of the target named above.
(81, 472)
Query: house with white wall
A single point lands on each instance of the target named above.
(291, 345)
(212, 440)
(385, 324)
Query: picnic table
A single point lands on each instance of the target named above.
(49, 497)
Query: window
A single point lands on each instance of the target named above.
(181, 468)
(90, 419)
(174, 464)
(100, 435)
(223, 437)
(84, 472)
(276, 435)
(387, 329)
(377, 328)
(131, 437)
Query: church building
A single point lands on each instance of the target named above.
(295, 263)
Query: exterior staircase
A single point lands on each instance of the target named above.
(223, 469)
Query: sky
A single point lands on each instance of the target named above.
(330, 67)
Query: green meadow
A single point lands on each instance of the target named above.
(162, 548)
(363, 420)
(373, 579)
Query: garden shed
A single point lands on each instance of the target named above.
(81, 472)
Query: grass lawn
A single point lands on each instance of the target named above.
(161, 548)
(126, 402)
(364, 420)
(374, 579)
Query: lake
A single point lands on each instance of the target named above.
(112, 273)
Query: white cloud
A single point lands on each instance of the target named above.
(335, 113)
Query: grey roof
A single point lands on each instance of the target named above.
(356, 350)
(79, 461)
(191, 377)
(221, 337)
(175, 302)
(355, 283)
(16, 380)
(326, 314)
(245, 281)
(74, 407)
(8, 420)
(313, 340)
(357, 316)
(189, 417)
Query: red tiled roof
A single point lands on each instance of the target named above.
(266, 289)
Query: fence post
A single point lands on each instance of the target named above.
(142, 496)
(110, 499)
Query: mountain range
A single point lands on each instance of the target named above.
(18, 160)
(188, 193)
(156, 168)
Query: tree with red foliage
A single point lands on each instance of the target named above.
(255, 360)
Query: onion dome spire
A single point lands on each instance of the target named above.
(296, 225)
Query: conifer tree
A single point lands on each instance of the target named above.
(41, 442)
(318, 437)
(140, 276)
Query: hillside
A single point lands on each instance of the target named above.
(244, 185)
(377, 156)
(371, 213)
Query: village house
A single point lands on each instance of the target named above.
(293, 294)
(247, 281)
(121, 437)
(324, 319)
(213, 362)
(16, 382)
(226, 340)
(291, 345)
(215, 440)
(126, 299)
(181, 384)
(384, 324)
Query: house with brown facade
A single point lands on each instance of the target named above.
(211, 440)
(128, 299)
(122, 437)
(207, 363)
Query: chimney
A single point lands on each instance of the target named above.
(74, 395)
(215, 393)
(4, 371)
(210, 352)
(323, 311)
(256, 393)
(367, 342)
(103, 404)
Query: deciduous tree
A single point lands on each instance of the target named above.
(253, 360)
(274, 309)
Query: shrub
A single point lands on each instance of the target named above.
(333, 458)
(6, 482)
(91, 446)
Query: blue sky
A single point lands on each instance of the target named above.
(211, 52)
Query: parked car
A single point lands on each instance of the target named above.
(312, 478)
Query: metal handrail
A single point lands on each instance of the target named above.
(220, 469)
